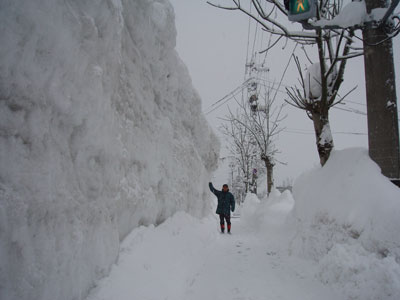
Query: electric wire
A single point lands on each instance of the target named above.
(248, 41)
(313, 133)
(227, 95)
(263, 81)
(287, 66)
(255, 39)
(225, 99)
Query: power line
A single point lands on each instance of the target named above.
(361, 104)
(248, 40)
(227, 98)
(255, 39)
(308, 132)
(239, 88)
(353, 110)
(284, 72)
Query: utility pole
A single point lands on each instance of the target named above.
(383, 126)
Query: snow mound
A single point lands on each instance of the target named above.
(100, 130)
(346, 215)
(268, 214)
(165, 257)
(360, 274)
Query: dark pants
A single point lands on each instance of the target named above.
(223, 217)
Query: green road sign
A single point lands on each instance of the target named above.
(300, 10)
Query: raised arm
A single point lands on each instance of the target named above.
(213, 190)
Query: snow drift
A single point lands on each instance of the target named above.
(159, 263)
(346, 216)
(269, 214)
(100, 131)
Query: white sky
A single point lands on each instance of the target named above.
(213, 45)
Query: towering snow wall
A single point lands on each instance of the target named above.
(100, 131)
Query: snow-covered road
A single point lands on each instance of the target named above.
(188, 259)
(245, 266)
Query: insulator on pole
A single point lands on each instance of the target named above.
(253, 98)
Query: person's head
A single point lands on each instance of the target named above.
(225, 188)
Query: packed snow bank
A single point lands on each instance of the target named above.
(159, 263)
(188, 259)
(268, 214)
(100, 131)
(347, 218)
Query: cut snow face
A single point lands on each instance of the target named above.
(101, 131)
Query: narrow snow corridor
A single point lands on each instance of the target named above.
(189, 259)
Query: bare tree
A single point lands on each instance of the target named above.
(319, 90)
(262, 120)
(317, 94)
(241, 146)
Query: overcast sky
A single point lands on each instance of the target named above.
(213, 45)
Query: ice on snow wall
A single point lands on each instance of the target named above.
(100, 132)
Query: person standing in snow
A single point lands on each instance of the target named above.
(226, 204)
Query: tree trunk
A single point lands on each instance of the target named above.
(270, 173)
(323, 136)
(246, 175)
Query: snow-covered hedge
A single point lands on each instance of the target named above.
(100, 131)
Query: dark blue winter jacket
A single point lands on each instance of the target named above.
(226, 201)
